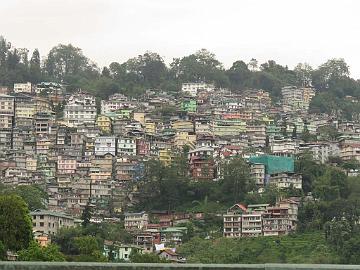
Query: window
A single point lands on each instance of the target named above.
(41, 224)
(42, 217)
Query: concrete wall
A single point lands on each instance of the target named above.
(128, 266)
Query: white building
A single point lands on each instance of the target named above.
(23, 88)
(50, 222)
(80, 109)
(193, 88)
(127, 146)
(136, 221)
(286, 180)
(105, 145)
(114, 103)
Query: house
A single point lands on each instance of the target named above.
(50, 222)
(80, 109)
(136, 221)
(232, 221)
(66, 165)
(119, 252)
(189, 105)
(166, 156)
(127, 146)
(104, 123)
(7, 111)
(193, 88)
(105, 145)
(286, 180)
(294, 98)
(23, 88)
(261, 219)
(170, 255)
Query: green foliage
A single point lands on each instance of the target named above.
(86, 215)
(170, 188)
(2, 251)
(301, 248)
(34, 252)
(84, 243)
(15, 223)
(33, 195)
(136, 257)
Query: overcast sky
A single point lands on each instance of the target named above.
(287, 31)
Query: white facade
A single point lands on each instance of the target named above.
(193, 88)
(80, 109)
(136, 221)
(127, 146)
(105, 145)
(23, 88)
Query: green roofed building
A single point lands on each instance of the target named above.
(274, 164)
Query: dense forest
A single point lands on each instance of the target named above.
(68, 65)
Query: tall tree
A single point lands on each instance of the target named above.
(35, 68)
(238, 74)
(15, 223)
(303, 73)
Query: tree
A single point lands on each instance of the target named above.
(303, 73)
(236, 180)
(35, 69)
(2, 251)
(137, 257)
(238, 74)
(253, 64)
(198, 67)
(66, 61)
(87, 214)
(89, 249)
(332, 70)
(337, 233)
(34, 196)
(34, 252)
(15, 223)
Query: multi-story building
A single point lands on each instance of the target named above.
(104, 123)
(50, 222)
(286, 180)
(80, 109)
(193, 88)
(7, 111)
(105, 145)
(136, 221)
(260, 219)
(127, 146)
(66, 165)
(294, 98)
(23, 88)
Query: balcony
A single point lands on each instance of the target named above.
(143, 266)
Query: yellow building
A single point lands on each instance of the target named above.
(42, 105)
(104, 123)
(267, 120)
(228, 127)
(182, 125)
(165, 156)
(140, 117)
(25, 110)
(150, 127)
(185, 138)
(31, 164)
(97, 174)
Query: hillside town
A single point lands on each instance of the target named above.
(88, 152)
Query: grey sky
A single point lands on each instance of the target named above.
(287, 31)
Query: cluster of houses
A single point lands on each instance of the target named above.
(82, 149)
(261, 219)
